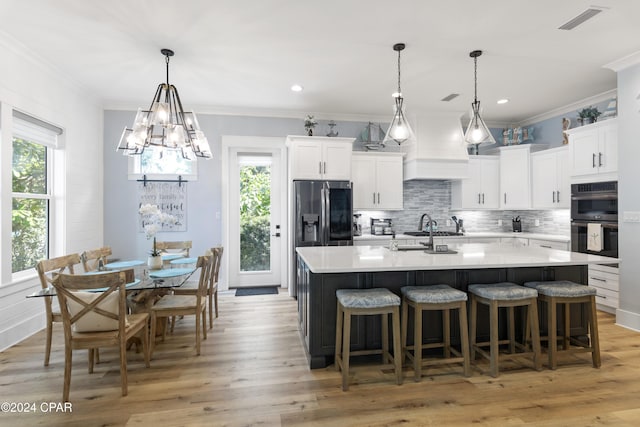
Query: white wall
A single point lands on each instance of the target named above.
(628, 194)
(38, 89)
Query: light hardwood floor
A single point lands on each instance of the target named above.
(253, 371)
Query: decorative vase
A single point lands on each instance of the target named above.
(154, 262)
(310, 131)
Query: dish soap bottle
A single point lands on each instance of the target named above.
(393, 243)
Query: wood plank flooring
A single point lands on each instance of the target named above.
(253, 371)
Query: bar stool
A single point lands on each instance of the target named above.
(429, 298)
(358, 302)
(505, 294)
(567, 293)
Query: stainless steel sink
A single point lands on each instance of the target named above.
(435, 233)
(449, 251)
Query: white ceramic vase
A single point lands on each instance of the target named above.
(154, 262)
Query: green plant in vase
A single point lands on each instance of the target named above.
(588, 115)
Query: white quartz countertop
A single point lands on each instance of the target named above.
(496, 234)
(347, 259)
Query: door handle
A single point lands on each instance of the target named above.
(505, 198)
(378, 198)
(478, 198)
(599, 159)
(325, 167)
(558, 197)
(276, 235)
(483, 198)
(374, 197)
(593, 161)
(320, 167)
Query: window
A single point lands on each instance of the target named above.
(31, 191)
(154, 162)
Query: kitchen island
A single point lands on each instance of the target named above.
(323, 270)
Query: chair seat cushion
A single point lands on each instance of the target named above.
(433, 294)
(367, 298)
(505, 291)
(561, 288)
(173, 302)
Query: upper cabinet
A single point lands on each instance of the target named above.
(593, 152)
(480, 190)
(550, 179)
(515, 177)
(313, 157)
(377, 180)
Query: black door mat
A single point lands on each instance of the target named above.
(264, 290)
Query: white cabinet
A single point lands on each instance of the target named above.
(515, 177)
(594, 152)
(377, 180)
(550, 179)
(606, 281)
(480, 189)
(313, 157)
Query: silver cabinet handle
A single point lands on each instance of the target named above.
(478, 198)
(320, 168)
(505, 198)
(558, 196)
(374, 197)
(483, 198)
(378, 198)
(545, 246)
(593, 161)
(599, 159)
(599, 279)
(601, 296)
(554, 196)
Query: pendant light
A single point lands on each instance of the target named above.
(399, 129)
(477, 132)
(165, 125)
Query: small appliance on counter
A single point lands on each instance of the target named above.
(517, 224)
(357, 227)
(381, 226)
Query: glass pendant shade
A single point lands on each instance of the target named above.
(399, 130)
(477, 131)
(165, 125)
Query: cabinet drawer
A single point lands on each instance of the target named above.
(606, 297)
(604, 280)
(548, 244)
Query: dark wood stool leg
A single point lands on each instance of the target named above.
(346, 341)
(494, 338)
(464, 338)
(339, 318)
(593, 332)
(417, 341)
(386, 357)
(472, 326)
(397, 345)
(535, 333)
(552, 334)
(446, 332)
(404, 328)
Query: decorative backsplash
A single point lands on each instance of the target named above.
(434, 197)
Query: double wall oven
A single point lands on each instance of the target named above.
(597, 203)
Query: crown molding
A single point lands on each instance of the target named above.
(625, 62)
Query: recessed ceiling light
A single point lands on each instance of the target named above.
(503, 101)
(296, 88)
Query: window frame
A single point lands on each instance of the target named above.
(51, 155)
(133, 174)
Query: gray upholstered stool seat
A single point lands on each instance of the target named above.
(441, 298)
(509, 295)
(433, 294)
(367, 298)
(565, 293)
(355, 302)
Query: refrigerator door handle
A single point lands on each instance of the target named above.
(324, 223)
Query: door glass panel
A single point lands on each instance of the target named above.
(255, 213)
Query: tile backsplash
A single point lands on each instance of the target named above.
(434, 197)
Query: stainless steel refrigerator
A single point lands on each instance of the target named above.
(322, 215)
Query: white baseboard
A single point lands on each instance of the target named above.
(628, 319)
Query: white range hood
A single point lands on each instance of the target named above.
(439, 151)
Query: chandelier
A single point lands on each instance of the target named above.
(399, 129)
(477, 132)
(165, 125)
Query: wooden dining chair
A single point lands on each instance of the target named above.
(92, 259)
(98, 319)
(186, 305)
(47, 270)
(191, 287)
(179, 247)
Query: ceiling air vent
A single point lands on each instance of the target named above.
(450, 97)
(584, 16)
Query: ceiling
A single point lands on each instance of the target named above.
(243, 55)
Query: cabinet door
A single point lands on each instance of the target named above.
(544, 180)
(336, 158)
(563, 195)
(490, 184)
(363, 176)
(607, 149)
(584, 149)
(389, 190)
(514, 178)
(306, 160)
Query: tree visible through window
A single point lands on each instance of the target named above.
(156, 161)
(255, 218)
(30, 210)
